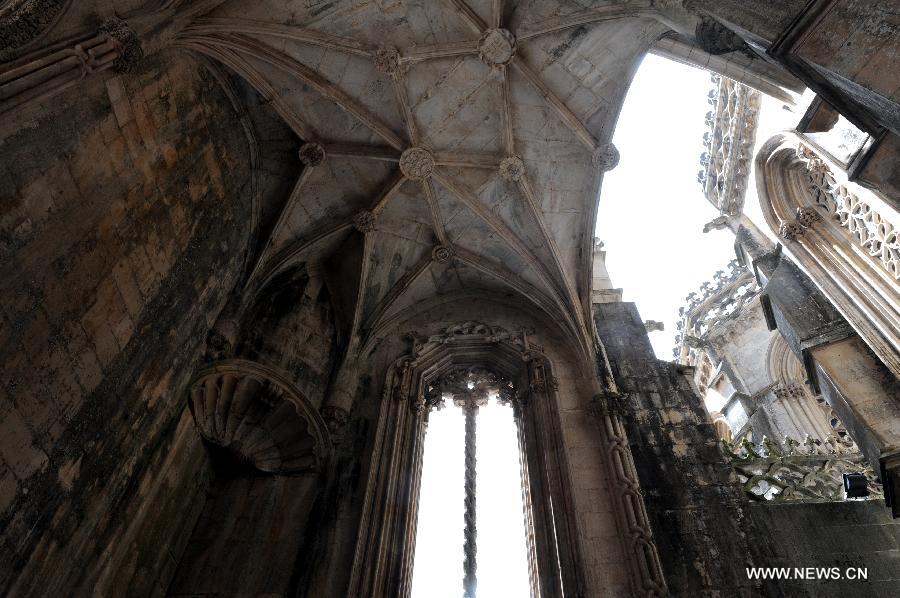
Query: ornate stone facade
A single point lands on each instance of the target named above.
(729, 144)
(247, 247)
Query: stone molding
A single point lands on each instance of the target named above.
(42, 75)
(718, 301)
(848, 246)
(645, 566)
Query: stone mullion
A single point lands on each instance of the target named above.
(643, 558)
(470, 548)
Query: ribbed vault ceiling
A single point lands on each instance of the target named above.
(466, 140)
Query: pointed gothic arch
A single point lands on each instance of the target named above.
(849, 246)
(385, 546)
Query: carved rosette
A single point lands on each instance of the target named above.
(130, 51)
(364, 221)
(441, 254)
(387, 61)
(417, 163)
(311, 154)
(605, 158)
(252, 413)
(512, 168)
(497, 47)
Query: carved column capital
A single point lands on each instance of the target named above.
(608, 404)
(790, 230)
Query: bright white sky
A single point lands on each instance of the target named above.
(652, 209)
(651, 218)
(502, 559)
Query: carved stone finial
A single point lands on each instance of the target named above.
(335, 418)
(512, 168)
(311, 154)
(364, 221)
(441, 254)
(605, 157)
(497, 47)
(130, 51)
(417, 163)
(790, 229)
(714, 38)
(387, 61)
(808, 216)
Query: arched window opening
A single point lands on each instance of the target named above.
(471, 530)
(536, 499)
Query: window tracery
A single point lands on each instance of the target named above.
(846, 241)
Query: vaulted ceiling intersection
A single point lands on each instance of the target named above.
(437, 153)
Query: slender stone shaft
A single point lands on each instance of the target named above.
(469, 547)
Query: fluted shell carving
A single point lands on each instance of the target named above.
(257, 418)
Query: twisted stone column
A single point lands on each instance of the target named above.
(646, 569)
(470, 403)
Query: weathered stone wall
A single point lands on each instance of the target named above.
(248, 539)
(695, 506)
(123, 226)
(292, 327)
(842, 534)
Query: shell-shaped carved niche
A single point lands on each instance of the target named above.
(255, 414)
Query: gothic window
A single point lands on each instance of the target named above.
(471, 529)
(478, 374)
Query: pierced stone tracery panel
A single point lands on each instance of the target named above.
(869, 229)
